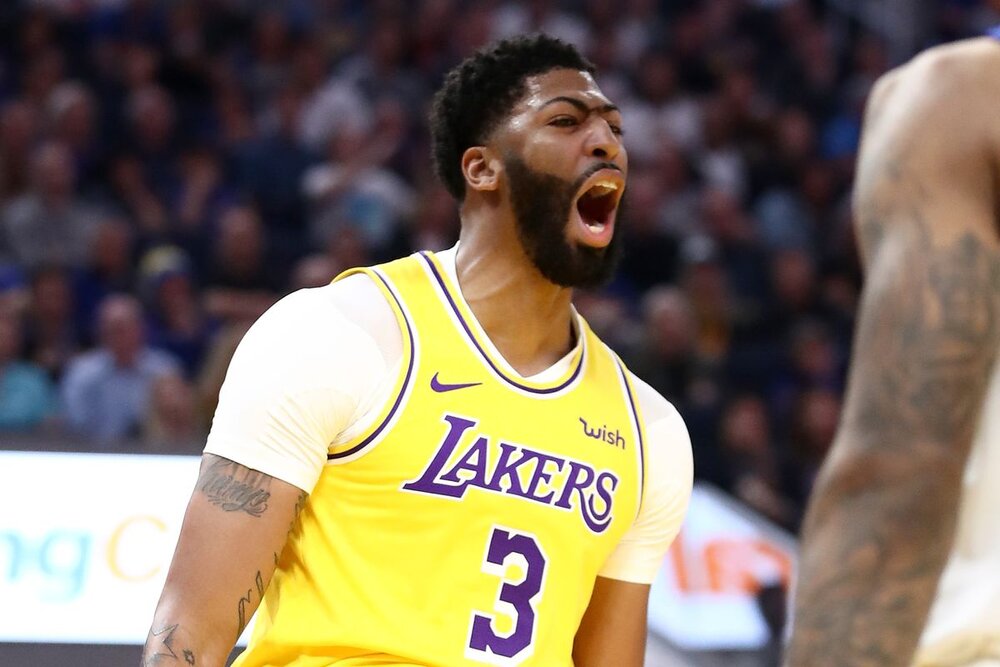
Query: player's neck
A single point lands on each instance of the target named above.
(528, 318)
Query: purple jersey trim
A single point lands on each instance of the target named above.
(482, 352)
(638, 431)
(402, 389)
(994, 32)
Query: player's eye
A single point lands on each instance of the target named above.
(563, 121)
(616, 129)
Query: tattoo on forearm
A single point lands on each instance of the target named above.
(160, 648)
(876, 547)
(243, 608)
(235, 488)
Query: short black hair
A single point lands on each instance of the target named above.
(479, 93)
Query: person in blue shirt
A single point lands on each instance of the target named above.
(27, 398)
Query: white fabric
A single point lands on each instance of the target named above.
(316, 370)
(966, 610)
(301, 375)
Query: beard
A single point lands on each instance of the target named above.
(542, 206)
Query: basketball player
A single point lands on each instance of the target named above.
(435, 461)
(900, 558)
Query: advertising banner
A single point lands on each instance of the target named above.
(705, 597)
(85, 542)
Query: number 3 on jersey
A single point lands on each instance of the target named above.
(517, 599)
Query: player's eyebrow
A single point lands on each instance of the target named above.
(601, 109)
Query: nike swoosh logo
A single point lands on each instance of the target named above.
(441, 387)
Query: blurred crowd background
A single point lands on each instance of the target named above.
(169, 169)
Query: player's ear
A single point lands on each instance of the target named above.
(481, 168)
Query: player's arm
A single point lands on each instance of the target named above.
(300, 376)
(881, 521)
(235, 526)
(613, 629)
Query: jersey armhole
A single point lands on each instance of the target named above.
(635, 411)
(363, 442)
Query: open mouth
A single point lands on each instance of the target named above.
(597, 204)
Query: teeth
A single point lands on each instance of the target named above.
(596, 227)
(603, 187)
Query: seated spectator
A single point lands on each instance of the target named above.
(667, 358)
(241, 283)
(129, 190)
(314, 271)
(177, 321)
(436, 224)
(271, 166)
(109, 269)
(198, 198)
(72, 110)
(173, 424)
(353, 188)
(651, 254)
(49, 225)
(18, 133)
(106, 392)
(27, 398)
(755, 473)
(51, 333)
(814, 425)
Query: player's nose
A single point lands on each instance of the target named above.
(602, 142)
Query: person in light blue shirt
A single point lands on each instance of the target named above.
(27, 397)
(106, 392)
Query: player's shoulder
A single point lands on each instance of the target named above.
(958, 74)
(316, 316)
(655, 408)
(670, 457)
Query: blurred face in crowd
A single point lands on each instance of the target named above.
(241, 240)
(670, 322)
(53, 171)
(793, 277)
(819, 415)
(565, 166)
(314, 271)
(73, 114)
(111, 252)
(121, 328)
(745, 426)
(18, 128)
(174, 404)
(813, 352)
(152, 115)
(52, 298)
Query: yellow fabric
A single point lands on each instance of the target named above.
(389, 561)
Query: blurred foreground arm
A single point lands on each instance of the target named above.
(235, 526)
(881, 521)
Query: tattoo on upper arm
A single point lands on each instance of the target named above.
(235, 488)
(299, 504)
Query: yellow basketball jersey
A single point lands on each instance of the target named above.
(468, 526)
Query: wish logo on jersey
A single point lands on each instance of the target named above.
(516, 470)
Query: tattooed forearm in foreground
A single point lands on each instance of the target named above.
(880, 526)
